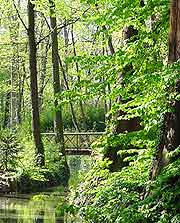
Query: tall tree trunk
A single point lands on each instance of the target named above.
(170, 129)
(22, 78)
(14, 35)
(174, 34)
(58, 122)
(83, 117)
(20, 98)
(123, 125)
(6, 122)
(66, 40)
(103, 80)
(40, 159)
(174, 55)
(14, 95)
(2, 99)
(112, 52)
(43, 71)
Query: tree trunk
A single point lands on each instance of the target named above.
(2, 100)
(43, 71)
(40, 159)
(20, 95)
(15, 71)
(103, 80)
(122, 126)
(66, 40)
(6, 122)
(110, 45)
(112, 52)
(174, 55)
(83, 117)
(174, 34)
(170, 129)
(58, 122)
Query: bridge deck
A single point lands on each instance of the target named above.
(76, 143)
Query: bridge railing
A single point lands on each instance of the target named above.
(76, 140)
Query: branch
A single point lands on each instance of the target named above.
(47, 23)
(58, 28)
(62, 26)
(18, 14)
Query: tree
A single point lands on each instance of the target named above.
(170, 127)
(65, 74)
(79, 79)
(122, 125)
(174, 55)
(40, 159)
(58, 122)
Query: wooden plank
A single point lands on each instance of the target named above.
(73, 133)
(83, 133)
(78, 152)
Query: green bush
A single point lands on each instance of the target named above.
(9, 148)
(121, 197)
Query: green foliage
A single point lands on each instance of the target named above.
(118, 197)
(33, 178)
(94, 119)
(47, 123)
(103, 192)
(147, 92)
(9, 148)
(137, 74)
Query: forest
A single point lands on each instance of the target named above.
(92, 85)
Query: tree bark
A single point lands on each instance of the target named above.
(6, 122)
(122, 126)
(110, 45)
(15, 71)
(20, 95)
(174, 55)
(58, 122)
(174, 34)
(40, 159)
(112, 52)
(83, 116)
(43, 71)
(103, 80)
(170, 129)
(74, 119)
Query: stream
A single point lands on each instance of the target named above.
(24, 210)
(43, 207)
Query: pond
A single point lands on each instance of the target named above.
(44, 207)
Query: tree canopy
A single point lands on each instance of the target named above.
(100, 66)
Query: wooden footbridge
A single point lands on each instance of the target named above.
(76, 143)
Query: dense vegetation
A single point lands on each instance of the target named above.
(113, 67)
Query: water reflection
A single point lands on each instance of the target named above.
(43, 209)
(18, 210)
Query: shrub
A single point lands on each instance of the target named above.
(9, 148)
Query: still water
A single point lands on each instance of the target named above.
(24, 210)
(44, 207)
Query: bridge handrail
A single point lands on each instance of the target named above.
(74, 133)
(76, 141)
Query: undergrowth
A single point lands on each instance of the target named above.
(123, 196)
